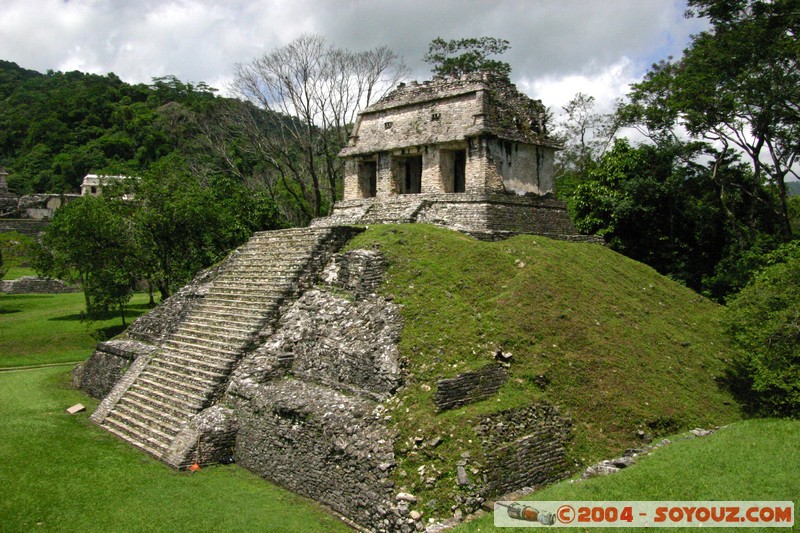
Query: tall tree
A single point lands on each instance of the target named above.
(736, 86)
(90, 241)
(585, 135)
(185, 223)
(312, 92)
(461, 56)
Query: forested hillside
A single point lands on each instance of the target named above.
(57, 127)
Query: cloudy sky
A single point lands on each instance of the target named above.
(558, 47)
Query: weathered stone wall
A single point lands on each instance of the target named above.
(319, 443)
(473, 211)
(524, 168)
(34, 285)
(546, 218)
(419, 124)
(485, 216)
(524, 448)
(208, 438)
(358, 271)
(469, 387)
(98, 375)
(346, 345)
(305, 401)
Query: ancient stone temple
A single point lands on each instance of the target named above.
(282, 356)
(471, 153)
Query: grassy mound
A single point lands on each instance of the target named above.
(720, 467)
(616, 346)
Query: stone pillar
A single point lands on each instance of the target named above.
(351, 185)
(386, 182)
(491, 179)
(446, 169)
(432, 175)
(477, 167)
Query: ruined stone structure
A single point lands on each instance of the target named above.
(92, 184)
(281, 357)
(469, 153)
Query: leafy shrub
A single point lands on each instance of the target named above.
(764, 321)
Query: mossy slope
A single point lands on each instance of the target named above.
(616, 346)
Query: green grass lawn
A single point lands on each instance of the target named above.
(16, 272)
(750, 460)
(48, 328)
(61, 473)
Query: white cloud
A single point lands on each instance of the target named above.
(557, 46)
(605, 84)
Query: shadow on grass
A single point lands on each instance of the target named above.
(131, 313)
(104, 334)
(76, 317)
(7, 297)
(9, 311)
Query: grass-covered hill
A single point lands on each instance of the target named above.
(616, 346)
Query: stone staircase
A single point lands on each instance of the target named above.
(162, 392)
(401, 209)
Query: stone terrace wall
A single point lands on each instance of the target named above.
(469, 387)
(484, 216)
(524, 448)
(34, 285)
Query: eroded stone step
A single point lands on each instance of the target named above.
(176, 391)
(223, 324)
(255, 318)
(242, 303)
(262, 288)
(137, 433)
(169, 421)
(226, 346)
(201, 384)
(172, 416)
(219, 355)
(252, 294)
(161, 394)
(144, 417)
(226, 313)
(191, 361)
(180, 366)
(254, 274)
(144, 427)
(215, 334)
(267, 253)
(152, 449)
(180, 411)
(234, 305)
